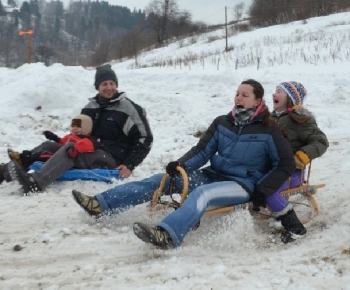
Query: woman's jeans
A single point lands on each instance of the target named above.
(276, 202)
(204, 190)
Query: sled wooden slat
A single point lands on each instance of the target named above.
(301, 187)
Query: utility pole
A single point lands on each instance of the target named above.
(29, 43)
(226, 48)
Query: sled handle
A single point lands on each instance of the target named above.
(158, 193)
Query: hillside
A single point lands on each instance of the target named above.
(314, 41)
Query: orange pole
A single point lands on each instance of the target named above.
(30, 32)
(30, 48)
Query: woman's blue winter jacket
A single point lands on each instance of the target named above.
(255, 155)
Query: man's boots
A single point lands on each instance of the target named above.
(28, 182)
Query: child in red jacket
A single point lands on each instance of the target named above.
(80, 136)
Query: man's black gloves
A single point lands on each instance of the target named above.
(51, 136)
(171, 168)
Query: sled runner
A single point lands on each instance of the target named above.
(104, 175)
(300, 197)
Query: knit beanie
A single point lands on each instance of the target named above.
(104, 73)
(295, 91)
(84, 122)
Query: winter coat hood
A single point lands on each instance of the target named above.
(302, 131)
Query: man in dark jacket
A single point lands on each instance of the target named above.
(122, 137)
(120, 124)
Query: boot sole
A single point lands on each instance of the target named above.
(292, 237)
(144, 233)
(14, 156)
(76, 196)
(16, 173)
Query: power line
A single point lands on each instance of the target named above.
(214, 13)
(221, 10)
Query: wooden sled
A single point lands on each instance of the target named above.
(300, 197)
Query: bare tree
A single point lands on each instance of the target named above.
(182, 25)
(238, 11)
(268, 12)
(101, 54)
(159, 13)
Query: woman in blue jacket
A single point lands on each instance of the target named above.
(248, 155)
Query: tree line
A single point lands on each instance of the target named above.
(271, 12)
(87, 33)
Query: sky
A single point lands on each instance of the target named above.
(63, 248)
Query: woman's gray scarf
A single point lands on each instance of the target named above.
(242, 116)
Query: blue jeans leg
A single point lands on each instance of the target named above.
(276, 202)
(181, 221)
(129, 194)
(137, 192)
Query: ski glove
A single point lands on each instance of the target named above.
(51, 136)
(171, 168)
(301, 159)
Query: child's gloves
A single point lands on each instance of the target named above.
(82, 146)
(51, 136)
(301, 159)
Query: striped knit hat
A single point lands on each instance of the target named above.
(295, 91)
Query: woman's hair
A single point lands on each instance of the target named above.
(258, 89)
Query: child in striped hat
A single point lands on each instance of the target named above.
(307, 141)
(295, 91)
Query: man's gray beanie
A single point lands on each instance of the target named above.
(104, 73)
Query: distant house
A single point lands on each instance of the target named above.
(9, 10)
